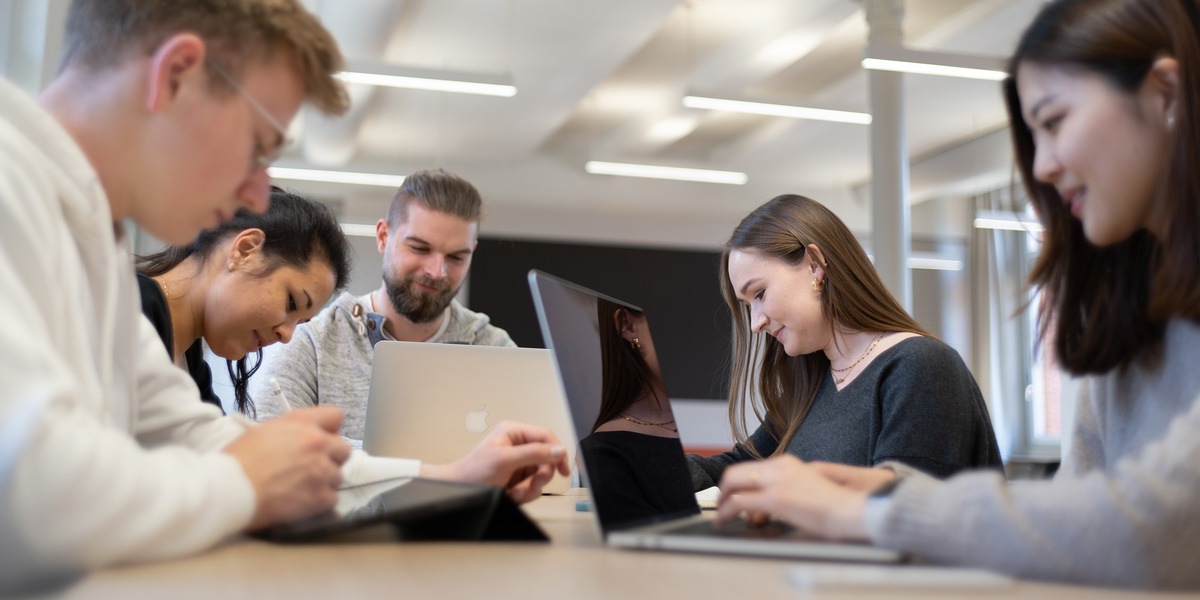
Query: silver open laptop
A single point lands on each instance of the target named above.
(638, 477)
(436, 401)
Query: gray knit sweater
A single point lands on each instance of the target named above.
(328, 360)
(916, 404)
(1124, 508)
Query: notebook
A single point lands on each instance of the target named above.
(437, 401)
(637, 475)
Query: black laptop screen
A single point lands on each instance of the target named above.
(629, 443)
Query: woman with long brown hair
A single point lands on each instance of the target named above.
(828, 360)
(1103, 98)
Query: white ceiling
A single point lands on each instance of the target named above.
(603, 79)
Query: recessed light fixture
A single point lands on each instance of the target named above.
(659, 172)
(777, 110)
(382, 74)
(380, 179)
(923, 62)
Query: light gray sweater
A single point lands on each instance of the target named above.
(328, 360)
(1124, 508)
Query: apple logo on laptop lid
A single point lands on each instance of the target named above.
(477, 420)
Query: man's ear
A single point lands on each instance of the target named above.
(178, 60)
(381, 235)
(245, 245)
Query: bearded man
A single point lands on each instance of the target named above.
(427, 241)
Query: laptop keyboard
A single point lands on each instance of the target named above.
(738, 528)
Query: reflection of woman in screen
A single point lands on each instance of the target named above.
(633, 452)
(633, 397)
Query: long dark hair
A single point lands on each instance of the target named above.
(296, 231)
(853, 297)
(627, 376)
(1110, 305)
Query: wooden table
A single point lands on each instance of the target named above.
(574, 566)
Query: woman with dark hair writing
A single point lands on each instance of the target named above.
(244, 285)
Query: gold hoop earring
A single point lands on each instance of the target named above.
(635, 343)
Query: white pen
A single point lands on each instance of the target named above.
(278, 392)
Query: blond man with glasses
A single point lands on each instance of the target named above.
(166, 113)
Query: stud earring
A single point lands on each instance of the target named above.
(1170, 121)
(635, 343)
(818, 284)
(230, 267)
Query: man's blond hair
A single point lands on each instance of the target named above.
(104, 33)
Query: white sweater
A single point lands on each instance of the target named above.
(106, 454)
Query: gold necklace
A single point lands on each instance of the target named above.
(860, 359)
(664, 425)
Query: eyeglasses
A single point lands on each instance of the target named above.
(262, 158)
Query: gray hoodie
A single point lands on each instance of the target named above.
(328, 360)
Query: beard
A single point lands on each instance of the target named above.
(415, 304)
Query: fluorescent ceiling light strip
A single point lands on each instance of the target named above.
(358, 229)
(1008, 223)
(880, 64)
(929, 262)
(351, 177)
(425, 83)
(658, 172)
(777, 110)
(934, 264)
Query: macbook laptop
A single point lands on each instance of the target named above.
(633, 462)
(436, 401)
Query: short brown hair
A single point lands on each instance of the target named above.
(437, 190)
(103, 33)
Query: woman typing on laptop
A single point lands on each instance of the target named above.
(1103, 99)
(846, 376)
